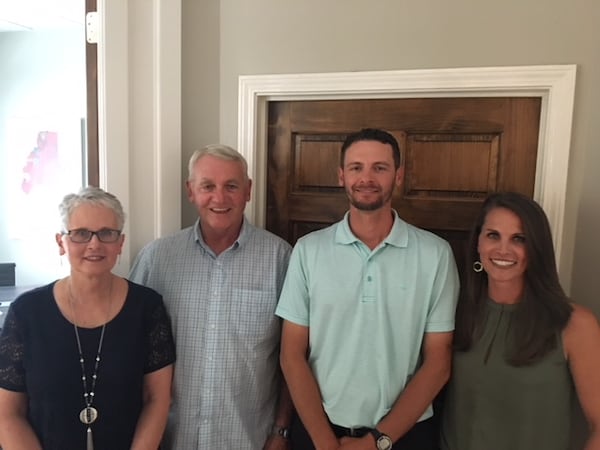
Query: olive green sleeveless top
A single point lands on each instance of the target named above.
(491, 405)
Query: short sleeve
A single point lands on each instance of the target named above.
(444, 293)
(293, 304)
(160, 344)
(140, 271)
(12, 372)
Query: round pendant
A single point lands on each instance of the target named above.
(88, 415)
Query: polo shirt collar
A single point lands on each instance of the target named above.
(398, 236)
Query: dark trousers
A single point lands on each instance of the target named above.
(422, 436)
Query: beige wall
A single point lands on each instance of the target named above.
(275, 36)
(226, 39)
(200, 71)
(283, 36)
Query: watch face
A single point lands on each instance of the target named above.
(384, 443)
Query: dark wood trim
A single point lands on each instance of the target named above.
(91, 64)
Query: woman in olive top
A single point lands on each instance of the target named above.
(522, 349)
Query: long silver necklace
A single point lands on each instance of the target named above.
(89, 413)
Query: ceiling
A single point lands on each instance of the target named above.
(40, 15)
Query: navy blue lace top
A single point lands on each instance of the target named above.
(39, 356)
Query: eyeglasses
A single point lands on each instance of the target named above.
(81, 235)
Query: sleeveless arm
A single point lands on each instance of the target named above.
(581, 340)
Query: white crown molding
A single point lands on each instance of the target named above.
(554, 84)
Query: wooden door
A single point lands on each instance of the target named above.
(455, 151)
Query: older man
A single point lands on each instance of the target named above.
(220, 280)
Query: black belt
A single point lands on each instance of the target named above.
(350, 432)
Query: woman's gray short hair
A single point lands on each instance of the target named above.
(90, 195)
(219, 151)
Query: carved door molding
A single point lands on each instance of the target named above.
(555, 85)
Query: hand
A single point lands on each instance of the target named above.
(276, 442)
(333, 444)
(363, 443)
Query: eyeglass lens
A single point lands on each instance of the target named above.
(105, 235)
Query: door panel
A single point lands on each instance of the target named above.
(455, 151)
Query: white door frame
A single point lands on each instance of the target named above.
(554, 84)
(139, 116)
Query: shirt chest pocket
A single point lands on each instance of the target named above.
(253, 312)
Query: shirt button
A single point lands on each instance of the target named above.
(369, 278)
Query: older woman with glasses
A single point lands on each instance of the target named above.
(87, 360)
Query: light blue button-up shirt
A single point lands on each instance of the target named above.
(226, 381)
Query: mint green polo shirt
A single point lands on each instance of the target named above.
(368, 311)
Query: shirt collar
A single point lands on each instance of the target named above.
(398, 236)
(241, 239)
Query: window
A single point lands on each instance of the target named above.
(43, 131)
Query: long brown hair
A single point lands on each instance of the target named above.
(544, 309)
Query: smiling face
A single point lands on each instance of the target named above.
(93, 257)
(369, 175)
(219, 189)
(502, 251)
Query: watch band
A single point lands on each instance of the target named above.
(284, 432)
(382, 441)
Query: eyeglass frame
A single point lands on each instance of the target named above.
(92, 234)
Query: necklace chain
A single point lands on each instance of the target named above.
(89, 396)
(89, 414)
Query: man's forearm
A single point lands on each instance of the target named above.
(418, 394)
(285, 407)
(308, 402)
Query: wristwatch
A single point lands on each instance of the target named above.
(382, 441)
(276, 430)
